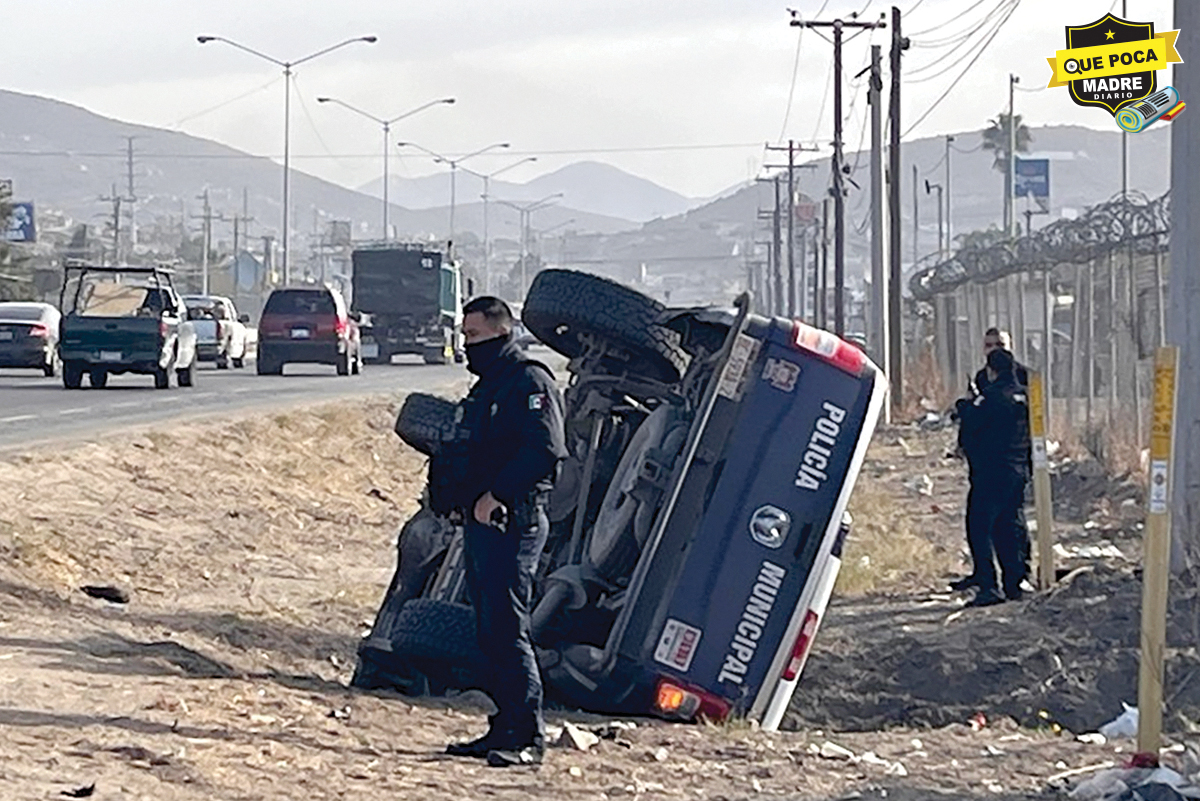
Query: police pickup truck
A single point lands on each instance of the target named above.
(697, 525)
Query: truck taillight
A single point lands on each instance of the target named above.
(831, 348)
(679, 701)
(39, 331)
(803, 642)
(340, 326)
(162, 329)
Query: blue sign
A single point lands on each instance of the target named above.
(1032, 178)
(20, 227)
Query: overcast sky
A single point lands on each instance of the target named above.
(608, 76)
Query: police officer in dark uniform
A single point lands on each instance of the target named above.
(995, 438)
(993, 339)
(513, 423)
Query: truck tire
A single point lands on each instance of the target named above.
(267, 366)
(222, 361)
(72, 375)
(98, 377)
(162, 378)
(343, 363)
(239, 363)
(434, 355)
(425, 421)
(562, 306)
(431, 632)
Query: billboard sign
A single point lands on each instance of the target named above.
(20, 226)
(1032, 178)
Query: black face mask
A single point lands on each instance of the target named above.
(482, 355)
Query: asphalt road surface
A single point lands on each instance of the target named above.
(35, 410)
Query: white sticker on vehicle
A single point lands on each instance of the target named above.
(677, 645)
(733, 377)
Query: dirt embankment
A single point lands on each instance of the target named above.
(255, 551)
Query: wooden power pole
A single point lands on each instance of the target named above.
(895, 364)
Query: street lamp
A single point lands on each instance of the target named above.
(438, 157)
(287, 121)
(487, 183)
(526, 212)
(928, 189)
(387, 129)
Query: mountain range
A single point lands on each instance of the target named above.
(589, 186)
(66, 158)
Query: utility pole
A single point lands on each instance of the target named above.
(792, 149)
(1010, 199)
(896, 332)
(916, 249)
(878, 335)
(130, 193)
(839, 192)
(824, 273)
(949, 237)
(1184, 323)
(116, 200)
(776, 235)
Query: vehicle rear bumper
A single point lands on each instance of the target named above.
(135, 361)
(207, 351)
(288, 351)
(23, 355)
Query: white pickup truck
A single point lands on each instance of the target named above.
(221, 333)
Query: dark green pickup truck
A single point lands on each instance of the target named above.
(124, 320)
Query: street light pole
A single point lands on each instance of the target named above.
(526, 212)
(287, 123)
(387, 129)
(438, 157)
(487, 192)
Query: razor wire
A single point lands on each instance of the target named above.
(1132, 221)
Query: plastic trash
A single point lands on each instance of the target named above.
(1124, 725)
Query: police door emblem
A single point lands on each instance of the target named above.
(770, 526)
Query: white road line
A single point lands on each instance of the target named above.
(124, 404)
(167, 400)
(80, 410)
(18, 418)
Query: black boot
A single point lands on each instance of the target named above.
(476, 749)
(528, 755)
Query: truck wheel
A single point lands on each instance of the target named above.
(72, 375)
(238, 364)
(434, 355)
(431, 632)
(357, 364)
(187, 375)
(343, 363)
(425, 421)
(50, 368)
(265, 366)
(563, 307)
(162, 378)
(98, 377)
(223, 361)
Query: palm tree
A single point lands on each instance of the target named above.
(996, 139)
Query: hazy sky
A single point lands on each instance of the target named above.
(607, 77)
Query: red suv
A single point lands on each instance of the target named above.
(308, 325)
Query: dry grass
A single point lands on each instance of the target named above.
(887, 548)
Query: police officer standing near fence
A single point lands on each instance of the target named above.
(513, 419)
(994, 432)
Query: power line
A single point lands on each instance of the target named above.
(225, 103)
(956, 17)
(962, 57)
(955, 38)
(795, 74)
(967, 69)
(916, 5)
(965, 41)
(319, 156)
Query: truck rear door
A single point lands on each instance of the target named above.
(757, 512)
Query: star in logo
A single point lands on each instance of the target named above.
(1108, 34)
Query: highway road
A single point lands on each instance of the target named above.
(35, 410)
